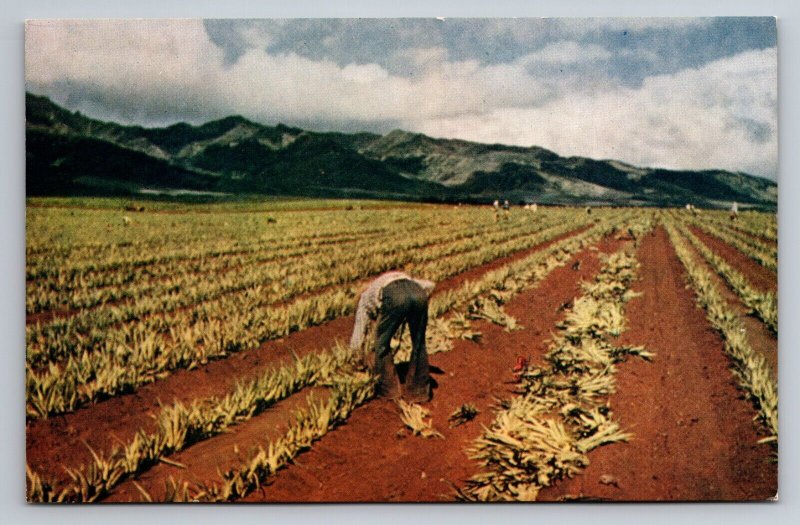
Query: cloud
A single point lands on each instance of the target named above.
(130, 69)
(138, 70)
(722, 115)
(563, 95)
(580, 26)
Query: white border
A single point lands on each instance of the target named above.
(12, 300)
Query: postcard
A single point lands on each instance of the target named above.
(401, 260)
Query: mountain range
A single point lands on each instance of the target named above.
(68, 153)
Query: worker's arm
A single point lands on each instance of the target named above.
(361, 325)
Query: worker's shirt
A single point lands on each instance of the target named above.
(369, 304)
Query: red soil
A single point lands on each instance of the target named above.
(60, 440)
(760, 278)
(46, 316)
(205, 460)
(693, 436)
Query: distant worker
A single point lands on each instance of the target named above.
(507, 209)
(534, 208)
(734, 211)
(496, 205)
(588, 210)
(389, 301)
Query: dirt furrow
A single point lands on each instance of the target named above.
(772, 243)
(694, 437)
(60, 440)
(762, 279)
(206, 459)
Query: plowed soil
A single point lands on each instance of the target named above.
(761, 338)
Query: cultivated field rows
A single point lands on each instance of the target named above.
(105, 362)
(262, 392)
(535, 439)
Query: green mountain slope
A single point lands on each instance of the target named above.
(70, 153)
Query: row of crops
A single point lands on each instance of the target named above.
(544, 434)
(749, 366)
(104, 351)
(135, 307)
(760, 250)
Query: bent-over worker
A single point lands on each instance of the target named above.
(389, 301)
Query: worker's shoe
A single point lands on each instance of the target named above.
(388, 391)
(418, 395)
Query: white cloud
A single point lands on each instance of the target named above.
(150, 66)
(721, 115)
(141, 66)
(695, 119)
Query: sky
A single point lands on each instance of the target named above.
(677, 93)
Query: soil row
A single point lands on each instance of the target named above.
(761, 339)
(693, 436)
(762, 279)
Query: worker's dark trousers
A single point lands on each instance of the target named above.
(403, 301)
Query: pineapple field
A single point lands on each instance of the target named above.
(199, 353)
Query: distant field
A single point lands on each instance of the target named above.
(196, 351)
(256, 204)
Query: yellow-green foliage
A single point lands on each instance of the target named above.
(759, 252)
(76, 361)
(416, 417)
(544, 434)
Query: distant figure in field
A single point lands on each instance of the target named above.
(588, 210)
(734, 211)
(507, 209)
(126, 221)
(534, 208)
(389, 301)
(496, 206)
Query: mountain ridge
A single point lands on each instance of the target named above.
(236, 156)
